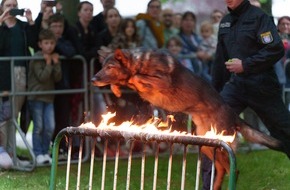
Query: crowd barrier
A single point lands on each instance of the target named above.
(13, 93)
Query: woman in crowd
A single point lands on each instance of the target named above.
(150, 28)
(16, 37)
(283, 28)
(104, 38)
(89, 50)
(191, 41)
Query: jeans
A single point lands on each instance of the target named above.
(44, 124)
(8, 128)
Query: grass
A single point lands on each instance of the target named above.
(259, 170)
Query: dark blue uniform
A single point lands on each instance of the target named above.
(247, 33)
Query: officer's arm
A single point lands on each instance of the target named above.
(270, 47)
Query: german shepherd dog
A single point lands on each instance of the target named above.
(165, 83)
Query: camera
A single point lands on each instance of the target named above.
(50, 3)
(15, 12)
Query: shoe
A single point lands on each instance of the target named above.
(40, 159)
(48, 158)
(62, 157)
(5, 160)
(23, 163)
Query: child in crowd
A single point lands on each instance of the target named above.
(174, 46)
(207, 48)
(209, 41)
(41, 77)
(127, 37)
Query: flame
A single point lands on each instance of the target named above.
(213, 134)
(154, 126)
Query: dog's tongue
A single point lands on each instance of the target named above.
(116, 90)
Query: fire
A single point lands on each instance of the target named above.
(213, 134)
(154, 126)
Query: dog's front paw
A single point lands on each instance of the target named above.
(116, 90)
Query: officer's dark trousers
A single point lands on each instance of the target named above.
(263, 94)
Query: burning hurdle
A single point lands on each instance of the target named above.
(144, 136)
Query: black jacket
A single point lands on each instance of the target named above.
(249, 34)
(30, 40)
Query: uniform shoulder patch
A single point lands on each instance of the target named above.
(266, 37)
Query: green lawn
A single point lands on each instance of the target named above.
(259, 170)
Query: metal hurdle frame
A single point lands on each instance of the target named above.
(13, 94)
(69, 132)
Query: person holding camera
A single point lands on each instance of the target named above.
(16, 37)
(41, 77)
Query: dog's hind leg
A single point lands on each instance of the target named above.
(219, 177)
(222, 165)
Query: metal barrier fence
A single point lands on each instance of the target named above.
(13, 93)
(125, 182)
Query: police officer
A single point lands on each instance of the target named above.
(243, 72)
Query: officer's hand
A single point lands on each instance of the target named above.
(235, 65)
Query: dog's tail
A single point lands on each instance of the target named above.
(255, 136)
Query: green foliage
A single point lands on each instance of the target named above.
(263, 1)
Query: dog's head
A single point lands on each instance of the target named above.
(113, 72)
(120, 68)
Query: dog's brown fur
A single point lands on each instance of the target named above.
(165, 83)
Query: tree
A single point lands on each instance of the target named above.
(70, 10)
(267, 6)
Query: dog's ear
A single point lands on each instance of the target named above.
(123, 57)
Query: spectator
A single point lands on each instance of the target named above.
(174, 46)
(283, 28)
(85, 30)
(207, 48)
(41, 77)
(113, 20)
(41, 22)
(5, 116)
(167, 19)
(45, 13)
(127, 37)
(88, 41)
(5, 159)
(98, 22)
(190, 40)
(105, 38)
(177, 20)
(149, 26)
(63, 47)
(16, 37)
(216, 17)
